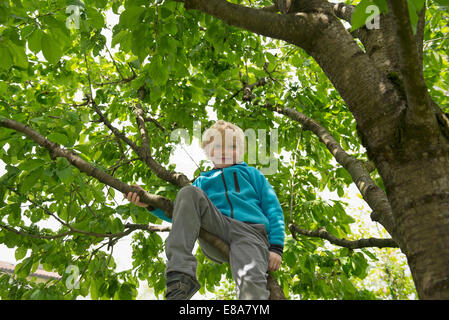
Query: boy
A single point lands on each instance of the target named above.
(236, 203)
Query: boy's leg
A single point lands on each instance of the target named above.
(192, 210)
(249, 260)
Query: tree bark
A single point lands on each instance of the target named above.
(417, 185)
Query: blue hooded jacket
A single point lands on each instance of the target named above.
(242, 192)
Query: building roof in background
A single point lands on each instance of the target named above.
(40, 272)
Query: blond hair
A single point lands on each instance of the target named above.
(224, 130)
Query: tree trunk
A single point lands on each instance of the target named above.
(418, 190)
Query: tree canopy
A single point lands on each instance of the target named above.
(83, 119)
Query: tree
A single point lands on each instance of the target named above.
(292, 65)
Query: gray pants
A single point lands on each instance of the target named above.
(248, 243)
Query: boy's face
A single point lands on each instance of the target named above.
(224, 154)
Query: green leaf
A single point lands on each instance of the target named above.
(4, 14)
(118, 37)
(414, 7)
(343, 173)
(117, 226)
(36, 215)
(94, 289)
(20, 57)
(51, 49)
(30, 180)
(31, 164)
(57, 28)
(35, 41)
(23, 269)
(37, 294)
(113, 287)
(369, 254)
(131, 16)
(126, 292)
(157, 71)
(65, 175)
(139, 214)
(382, 4)
(98, 194)
(94, 18)
(417, 4)
(59, 138)
(347, 285)
(363, 14)
(168, 44)
(171, 27)
(340, 191)
(360, 265)
(20, 253)
(6, 59)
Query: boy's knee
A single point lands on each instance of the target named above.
(189, 192)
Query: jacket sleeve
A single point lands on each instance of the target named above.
(273, 210)
(160, 214)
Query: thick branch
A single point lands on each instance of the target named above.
(380, 43)
(419, 37)
(276, 292)
(294, 28)
(175, 178)
(114, 130)
(57, 151)
(419, 112)
(130, 228)
(351, 244)
(372, 194)
(140, 119)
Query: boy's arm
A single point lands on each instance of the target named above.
(272, 208)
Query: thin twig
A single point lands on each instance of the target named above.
(351, 244)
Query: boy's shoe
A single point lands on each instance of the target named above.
(180, 286)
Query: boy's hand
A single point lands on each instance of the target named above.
(274, 261)
(134, 198)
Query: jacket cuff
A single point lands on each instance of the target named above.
(277, 248)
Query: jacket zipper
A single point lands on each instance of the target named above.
(226, 193)
(236, 182)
